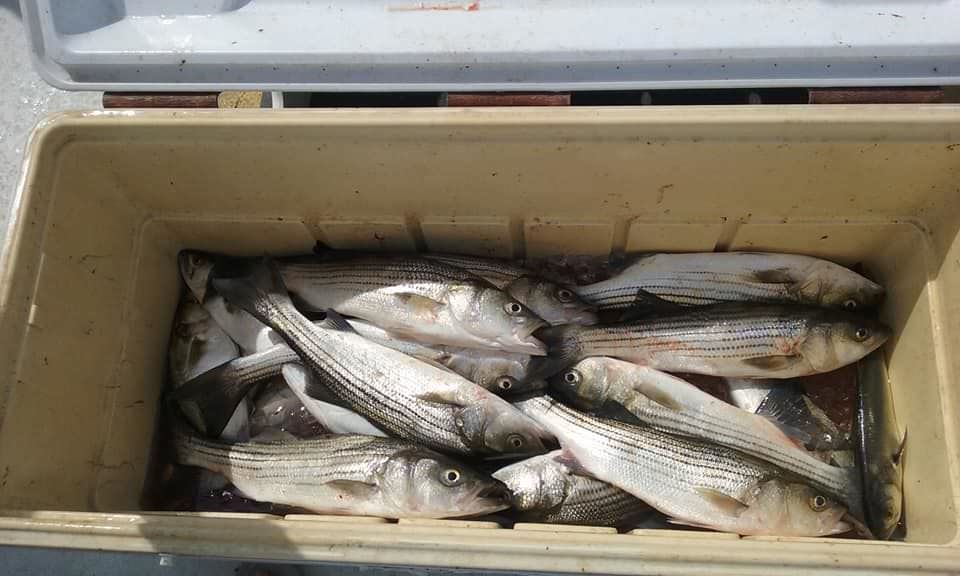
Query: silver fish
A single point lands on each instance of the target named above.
(416, 298)
(348, 475)
(784, 403)
(197, 345)
(276, 407)
(323, 405)
(673, 405)
(709, 278)
(555, 303)
(499, 372)
(693, 482)
(729, 340)
(544, 489)
(879, 448)
(399, 394)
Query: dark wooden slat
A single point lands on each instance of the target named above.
(458, 99)
(160, 100)
(911, 95)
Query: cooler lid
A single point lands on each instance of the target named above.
(449, 45)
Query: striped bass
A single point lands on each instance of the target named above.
(399, 394)
(710, 278)
(348, 475)
(672, 405)
(693, 482)
(544, 489)
(729, 340)
(555, 303)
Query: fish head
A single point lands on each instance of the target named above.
(586, 384)
(834, 286)
(885, 500)
(497, 319)
(537, 483)
(839, 338)
(505, 374)
(781, 508)
(436, 486)
(493, 426)
(195, 268)
(198, 343)
(553, 302)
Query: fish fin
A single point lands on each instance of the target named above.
(660, 396)
(355, 488)
(421, 306)
(247, 283)
(334, 321)
(443, 396)
(680, 522)
(771, 362)
(563, 351)
(566, 458)
(210, 399)
(723, 502)
(615, 411)
(899, 453)
(301, 379)
(775, 276)
(646, 304)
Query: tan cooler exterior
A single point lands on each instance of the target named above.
(90, 284)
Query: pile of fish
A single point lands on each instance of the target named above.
(446, 386)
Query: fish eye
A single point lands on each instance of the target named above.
(818, 503)
(451, 477)
(861, 334)
(515, 441)
(571, 377)
(505, 383)
(513, 308)
(850, 304)
(564, 295)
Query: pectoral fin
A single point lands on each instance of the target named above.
(775, 276)
(421, 306)
(356, 489)
(772, 363)
(661, 397)
(723, 502)
(442, 396)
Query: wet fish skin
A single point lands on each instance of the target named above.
(728, 340)
(276, 407)
(879, 447)
(322, 404)
(673, 405)
(503, 373)
(554, 302)
(197, 343)
(348, 475)
(710, 278)
(693, 482)
(417, 298)
(545, 490)
(399, 394)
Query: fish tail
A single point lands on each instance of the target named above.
(210, 399)
(253, 285)
(563, 350)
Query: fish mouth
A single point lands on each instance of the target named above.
(494, 497)
(195, 267)
(850, 522)
(523, 340)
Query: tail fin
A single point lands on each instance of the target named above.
(254, 285)
(210, 399)
(563, 351)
